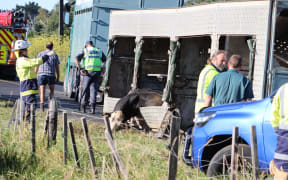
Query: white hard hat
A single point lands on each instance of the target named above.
(21, 44)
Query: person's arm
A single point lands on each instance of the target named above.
(57, 72)
(249, 95)
(275, 115)
(36, 69)
(78, 59)
(208, 101)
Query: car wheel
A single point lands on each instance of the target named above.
(224, 155)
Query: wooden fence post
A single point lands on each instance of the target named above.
(234, 154)
(254, 153)
(65, 136)
(116, 155)
(53, 118)
(74, 144)
(174, 141)
(89, 146)
(32, 111)
(108, 130)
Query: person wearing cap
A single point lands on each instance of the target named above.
(25, 68)
(93, 59)
(279, 121)
(46, 73)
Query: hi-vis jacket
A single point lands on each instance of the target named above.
(25, 68)
(92, 61)
(279, 120)
(205, 78)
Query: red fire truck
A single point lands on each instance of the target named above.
(13, 26)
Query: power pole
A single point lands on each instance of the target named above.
(61, 18)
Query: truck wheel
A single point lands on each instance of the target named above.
(70, 92)
(224, 155)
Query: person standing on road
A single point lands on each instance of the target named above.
(46, 73)
(91, 71)
(216, 65)
(25, 68)
(279, 121)
(230, 86)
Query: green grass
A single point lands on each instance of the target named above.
(144, 156)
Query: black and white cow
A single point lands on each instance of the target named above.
(128, 108)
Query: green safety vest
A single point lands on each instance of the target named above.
(92, 61)
(25, 67)
(205, 78)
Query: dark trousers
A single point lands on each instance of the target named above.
(28, 101)
(90, 83)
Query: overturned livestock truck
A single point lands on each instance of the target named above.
(165, 49)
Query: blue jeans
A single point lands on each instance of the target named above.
(90, 83)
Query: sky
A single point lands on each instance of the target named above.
(10, 4)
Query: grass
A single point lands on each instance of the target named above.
(144, 156)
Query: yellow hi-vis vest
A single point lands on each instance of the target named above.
(204, 80)
(92, 61)
(279, 120)
(279, 110)
(25, 67)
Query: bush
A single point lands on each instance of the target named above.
(61, 47)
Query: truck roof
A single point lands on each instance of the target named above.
(217, 18)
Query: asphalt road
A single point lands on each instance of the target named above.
(9, 90)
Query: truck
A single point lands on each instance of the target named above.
(166, 49)
(91, 22)
(13, 26)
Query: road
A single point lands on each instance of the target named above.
(9, 90)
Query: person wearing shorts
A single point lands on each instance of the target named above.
(46, 74)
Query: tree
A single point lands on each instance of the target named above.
(31, 10)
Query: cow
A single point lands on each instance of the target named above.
(128, 108)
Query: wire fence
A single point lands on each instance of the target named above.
(133, 147)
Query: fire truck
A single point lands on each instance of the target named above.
(13, 26)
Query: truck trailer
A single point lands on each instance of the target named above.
(91, 22)
(172, 46)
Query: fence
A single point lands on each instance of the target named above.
(123, 169)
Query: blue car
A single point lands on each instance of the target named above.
(211, 136)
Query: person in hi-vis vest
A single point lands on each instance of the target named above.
(25, 68)
(216, 65)
(279, 121)
(93, 59)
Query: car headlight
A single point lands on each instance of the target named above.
(203, 117)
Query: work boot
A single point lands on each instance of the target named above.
(42, 107)
(93, 108)
(83, 108)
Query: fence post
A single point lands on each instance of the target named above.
(53, 118)
(65, 136)
(32, 109)
(174, 140)
(254, 152)
(74, 144)
(108, 130)
(234, 154)
(89, 146)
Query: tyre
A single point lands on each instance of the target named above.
(216, 164)
(70, 84)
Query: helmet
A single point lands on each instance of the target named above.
(21, 44)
